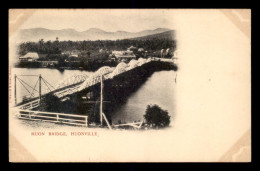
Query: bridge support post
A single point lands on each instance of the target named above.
(101, 100)
(40, 89)
(86, 121)
(15, 99)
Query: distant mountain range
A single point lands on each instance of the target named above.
(35, 34)
(164, 35)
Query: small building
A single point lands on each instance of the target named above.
(72, 58)
(30, 56)
(124, 55)
(140, 49)
(132, 48)
(167, 51)
(70, 52)
(162, 53)
(65, 53)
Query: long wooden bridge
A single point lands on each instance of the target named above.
(70, 86)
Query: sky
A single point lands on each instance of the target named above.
(106, 19)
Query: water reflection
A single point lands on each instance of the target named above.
(158, 89)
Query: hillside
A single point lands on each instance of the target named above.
(35, 34)
(169, 35)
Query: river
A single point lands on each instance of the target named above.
(158, 89)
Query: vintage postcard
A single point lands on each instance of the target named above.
(129, 85)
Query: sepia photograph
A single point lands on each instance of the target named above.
(129, 85)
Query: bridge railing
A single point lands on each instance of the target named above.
(137, 125)
(63, 118)
(30, 105)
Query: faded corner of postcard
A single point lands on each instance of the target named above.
(121, 85)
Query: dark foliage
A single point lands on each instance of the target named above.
(50, 103)
(156, 117)
(89, 49)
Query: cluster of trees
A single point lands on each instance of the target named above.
(56, 47)
(42, 47)
(156, 117)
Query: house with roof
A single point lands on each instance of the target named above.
(30, 56)
(101, 51)
(124, 55)
(132, 48)
(72, 58)
(140, 49)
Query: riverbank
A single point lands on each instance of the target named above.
(72, 65)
